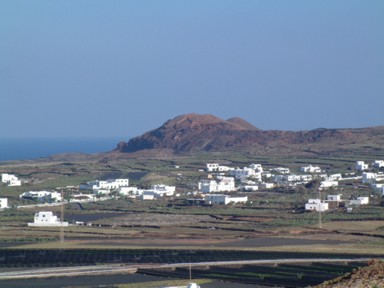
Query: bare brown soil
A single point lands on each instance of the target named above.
(371, 276)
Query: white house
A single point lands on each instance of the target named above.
(250, 187)
(156, 191)
(281, 170)
(223, 184)
(336, 198)
(3, 203)
(328, 184)
(293, 178)
(310, 169)
(378, 163)
(220, 199)
(224, 168)
(5, 178)
(359, 201)
(214, 167)
(267, 185)
(46, 218)
(163, 190)
(128, 191)
(368, 177)
(104, 187)
(148, 195)
(378, 187)
(211, 167)
(10, 180)
(256, 167)
(42, 196)
(361, 166)
(334, 177)
(245, 172)
(208, 186)
(112, 184)
(316, 205)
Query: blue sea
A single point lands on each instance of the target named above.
(33, 148)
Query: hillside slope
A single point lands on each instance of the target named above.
(194, 132)
(370, 276)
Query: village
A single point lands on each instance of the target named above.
(221, 185)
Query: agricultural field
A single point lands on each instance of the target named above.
(128, 222)
(271, 221)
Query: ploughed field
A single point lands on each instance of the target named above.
(282, 275)
(71, 257)
(285, 275)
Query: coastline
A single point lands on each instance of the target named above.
(34, 148)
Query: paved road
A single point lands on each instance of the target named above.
(123, 269)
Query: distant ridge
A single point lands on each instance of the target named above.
(242, 124)
(195, 132)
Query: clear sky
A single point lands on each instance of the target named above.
(120, 68)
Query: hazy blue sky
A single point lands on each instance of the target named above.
(121, 68)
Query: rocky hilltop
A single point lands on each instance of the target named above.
(194, 132)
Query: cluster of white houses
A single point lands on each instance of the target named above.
(362, 166)
(221, 182)
(217, 189)
(254, 177)
(121, 186)
(323, 205)
(104, 187)
(42, 196)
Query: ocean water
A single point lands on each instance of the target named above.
(33, 148)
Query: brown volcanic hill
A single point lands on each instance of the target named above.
(194, 132)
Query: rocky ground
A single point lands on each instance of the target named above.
(365, 277)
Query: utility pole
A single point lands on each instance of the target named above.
(190, 269)
(62, 219)
(320, 221)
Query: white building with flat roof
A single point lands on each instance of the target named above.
(46, 219)
(359, 201)
(112, 184)
(378, 187)
(42, 196)
(244, 173)
(163, 190)
(221, 199)
(334, 198)
(361, 166)
(281, 170)
(3, 203)
(256, 167)
(266, 185)
(221, 185)
(310, 169)
(378, 163)
(129, 191)
(369, 177)
(10, 179)
(148, 195)
(105, 186)
(211, 167)
(328, 184)
(316, 205)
